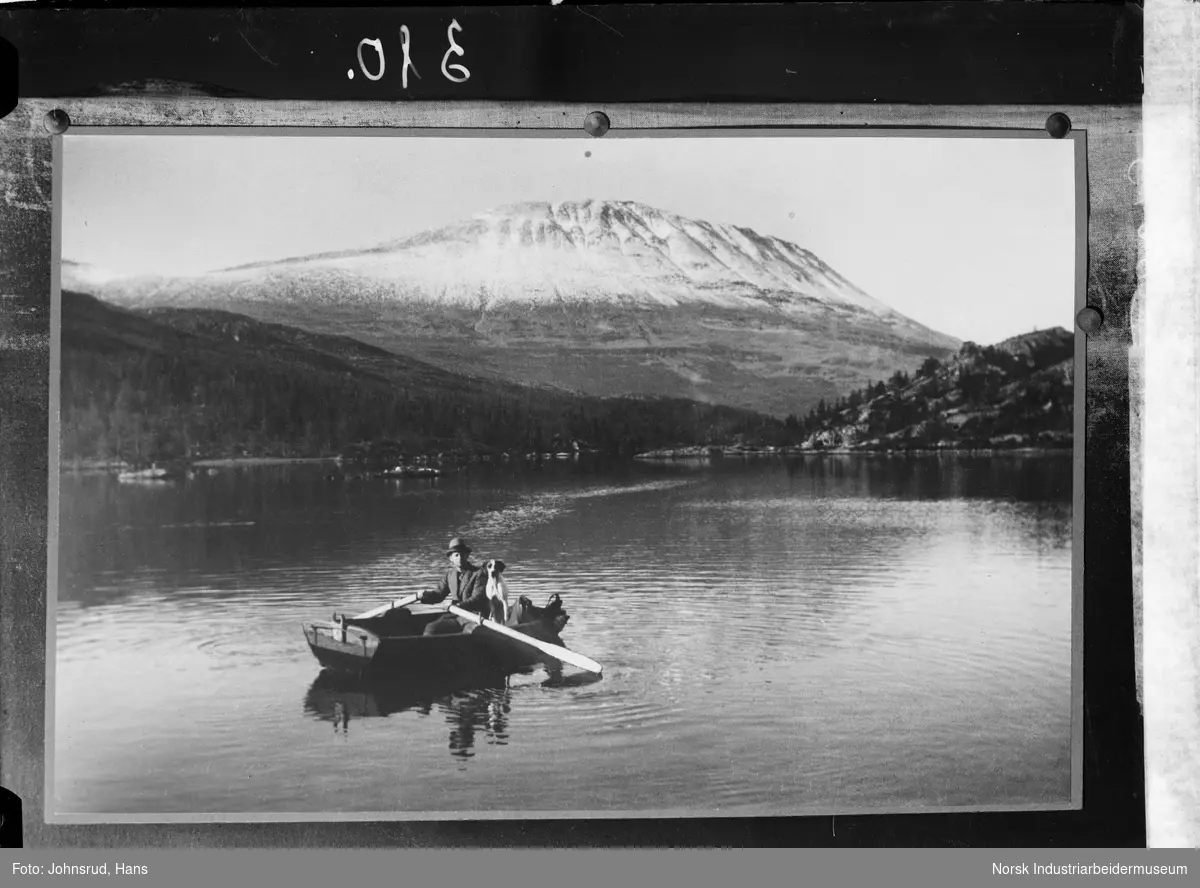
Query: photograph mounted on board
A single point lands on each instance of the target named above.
(531, 475)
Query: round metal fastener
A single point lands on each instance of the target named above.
(1058, 125)
(56, 122)
(1089, 319)
(596, 123)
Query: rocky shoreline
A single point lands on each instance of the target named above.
(694, 453)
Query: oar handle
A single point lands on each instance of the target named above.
(391, 605)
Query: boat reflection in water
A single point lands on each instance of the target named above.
(474, 705)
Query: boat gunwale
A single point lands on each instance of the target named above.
(450, 636)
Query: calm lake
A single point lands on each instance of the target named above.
(802, 635)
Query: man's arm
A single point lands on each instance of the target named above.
(434, 596)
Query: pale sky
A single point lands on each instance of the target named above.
(973, 237)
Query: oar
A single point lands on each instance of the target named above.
(558, 653)
(384, 608)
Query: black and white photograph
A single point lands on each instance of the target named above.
(497, 475)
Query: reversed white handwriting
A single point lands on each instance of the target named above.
(404, 44)
(455, 73)
(378, 44)
(462, 72)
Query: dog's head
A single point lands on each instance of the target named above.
(495, 567)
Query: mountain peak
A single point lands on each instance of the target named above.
(620, 251)
(614, 254)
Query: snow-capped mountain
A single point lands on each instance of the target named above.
(608, 297)
(616, 251)
(601, 250)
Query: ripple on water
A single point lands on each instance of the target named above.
(543, 507)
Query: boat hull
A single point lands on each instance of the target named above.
(361, 651)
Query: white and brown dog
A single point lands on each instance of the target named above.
(497, 591)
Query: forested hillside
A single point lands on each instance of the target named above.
(1018, 393)
(166, 384)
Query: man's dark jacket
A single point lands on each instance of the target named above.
(468, 587)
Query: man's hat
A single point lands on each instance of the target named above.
(457, 545)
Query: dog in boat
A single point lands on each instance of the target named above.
(524, 611)
(497, 593)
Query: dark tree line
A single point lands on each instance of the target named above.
(124, 398)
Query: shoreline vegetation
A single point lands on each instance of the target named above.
(447, 463)
(191, 391)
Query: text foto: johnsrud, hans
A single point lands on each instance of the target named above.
(69, 869)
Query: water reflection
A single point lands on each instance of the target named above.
(483, 710)
(473, 705)
(476, 707)
(942, 476)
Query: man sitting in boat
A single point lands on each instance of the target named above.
(466, 582)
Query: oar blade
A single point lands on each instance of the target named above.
(553, 650)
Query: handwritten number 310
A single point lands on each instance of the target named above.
(454, 73)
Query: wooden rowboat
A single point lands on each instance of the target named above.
(392, 643)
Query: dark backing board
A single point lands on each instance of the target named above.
(1112, 812)
(908, 52)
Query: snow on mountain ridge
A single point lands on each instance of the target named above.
(611, 250)
(622, 253)
(699, 252)
(604, 250)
